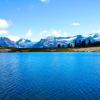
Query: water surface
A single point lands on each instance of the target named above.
(49, 76)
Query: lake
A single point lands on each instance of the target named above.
(50, 76)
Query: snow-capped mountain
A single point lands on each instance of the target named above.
(4, 41)
(96, 37)
(52, 42)
(24, 43)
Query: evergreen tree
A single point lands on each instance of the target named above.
(59, 46)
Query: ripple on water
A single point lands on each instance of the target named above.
(49, 76)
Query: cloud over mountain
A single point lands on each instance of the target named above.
(4, 24)
(53, 32)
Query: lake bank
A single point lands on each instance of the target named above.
(87, 49)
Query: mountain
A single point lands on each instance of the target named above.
(53, 42)
(96, 37)
(4, 41)
(24, 43)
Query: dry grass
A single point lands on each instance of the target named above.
(88, 49)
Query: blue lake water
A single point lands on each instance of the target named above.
(49, 76)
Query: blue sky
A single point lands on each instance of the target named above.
(34, 19)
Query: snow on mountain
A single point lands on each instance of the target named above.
(51, 42)
(24, 43)
(7, 42)
(94, 37)
(97, 37)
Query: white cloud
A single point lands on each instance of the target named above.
(13, 38)
(4, 23)
(98, 31)
(65, 34)
(54, 33)
(3, 32)
(45, 1)
(29, 34)
(75, 24)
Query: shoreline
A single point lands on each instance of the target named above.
(86, 49)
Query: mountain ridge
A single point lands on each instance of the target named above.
(52, 42)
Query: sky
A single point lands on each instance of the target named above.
(36, 19)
